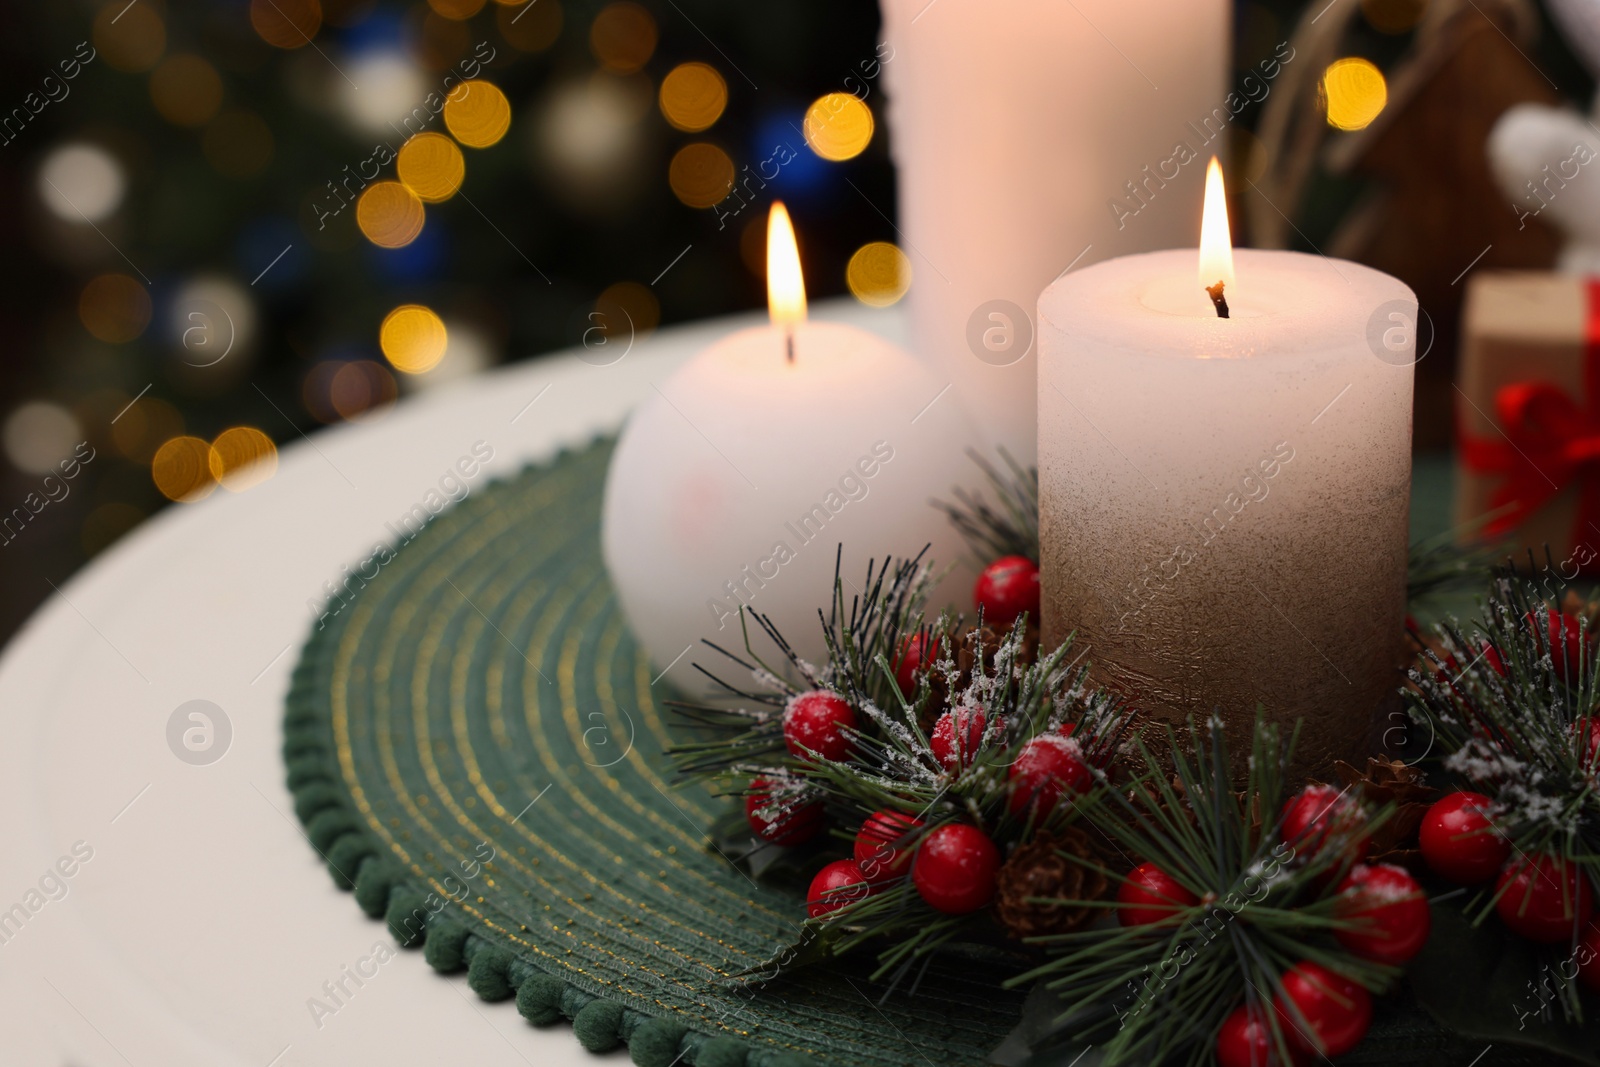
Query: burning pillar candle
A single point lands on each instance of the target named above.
(1223, 500)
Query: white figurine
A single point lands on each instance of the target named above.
(1547, 159)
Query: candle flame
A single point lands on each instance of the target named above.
(786, 287)
(1216, 242)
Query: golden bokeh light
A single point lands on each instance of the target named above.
(114, 308)
(477, 113)
(693, 96)
(238, 144)
(1353, 93)
(878, 274)
(241, 457)
(389, 214)
(838, 126)
(432, 166)
(413, 339)
(623, 37)
(701, 174)
(181, 469)
(529, 27)
(286, 23)
(625, 311)
(457, 9)
(128, 38)
(140, 429)
(1393, 16)
(361, 388)
(186, 90)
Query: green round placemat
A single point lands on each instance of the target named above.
(475, 747)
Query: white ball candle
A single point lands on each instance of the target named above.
(1224, 500)
(736, 482)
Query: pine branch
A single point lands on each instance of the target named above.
(1010, 527)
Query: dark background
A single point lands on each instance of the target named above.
(515, 272)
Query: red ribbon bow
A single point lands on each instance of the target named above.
(1548, 441)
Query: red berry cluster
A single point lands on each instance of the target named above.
(952, 867)
(1543, 897)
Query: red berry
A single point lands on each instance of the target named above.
(876, 848)
(955, 867)
(815, 722)
(1543, 898)
(1334, 1012)
(1588, 957)
(1007, 588)
(1392, 910)
(1049, 767)
(1245, 1040)
(1321, 819)
(1567, 639)
(836, 885)
(1150, 896)
(958, 735)
(914, 660)
(780, 815)
(1459, 841)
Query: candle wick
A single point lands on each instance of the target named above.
(788, 343)
(1218, 300)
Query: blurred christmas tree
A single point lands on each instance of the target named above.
(231, 222)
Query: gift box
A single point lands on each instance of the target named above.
(1528, 414)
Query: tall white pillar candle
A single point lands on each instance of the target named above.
(1033, 134)
(1224, 501)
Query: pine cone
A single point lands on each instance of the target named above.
(1391, 782)
(1038, 869)
(975, 643)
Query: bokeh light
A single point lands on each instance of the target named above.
(38, 435)
(186, 90)
(238, 144)
(114, 308)
(81, 181)
(878, 274)
(210, 318)
(391, 86)
(1393, 16)
(128, 37)
(477, 113)
(432, 166)
(457, 9)
(360, 389)
(693, 96)
(181, 469)
(623, 37)
(413, 339)
(242, 456)
(286, 23)
(529, 27)
(838, 126)
(1353, 92)
(140, 428)
(626, 311)
(389, 214)
(701, 174)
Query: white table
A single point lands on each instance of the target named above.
(203, 922)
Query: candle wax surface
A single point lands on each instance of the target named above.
(737, 482)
